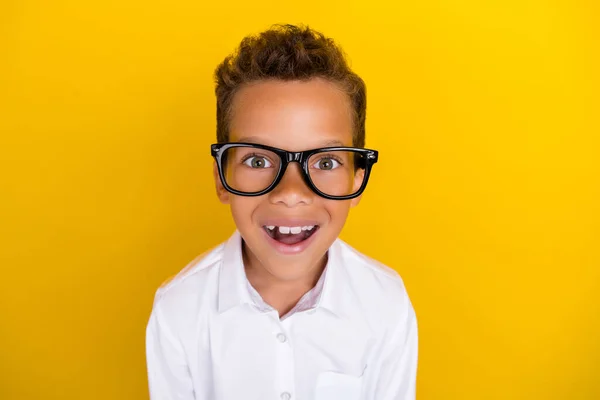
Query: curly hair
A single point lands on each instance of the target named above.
(287, 53)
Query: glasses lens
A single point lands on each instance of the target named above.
(338, 172)
(248, 169)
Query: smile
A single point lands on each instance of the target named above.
(290, 235)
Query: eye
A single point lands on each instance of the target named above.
(326, 164)
(257, 162)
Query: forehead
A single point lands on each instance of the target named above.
(292, 115)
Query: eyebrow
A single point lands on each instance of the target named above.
(257, 140)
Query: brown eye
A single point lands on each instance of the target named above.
(257, 162)
(326, 164)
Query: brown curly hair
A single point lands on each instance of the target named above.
(287, 52)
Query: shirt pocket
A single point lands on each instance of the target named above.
(337, 386)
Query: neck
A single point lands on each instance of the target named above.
(280, 293)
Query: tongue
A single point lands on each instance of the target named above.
(291, 238)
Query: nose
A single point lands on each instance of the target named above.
(292, 189)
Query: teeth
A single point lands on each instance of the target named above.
(294, 230)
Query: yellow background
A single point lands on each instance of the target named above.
(486, 198)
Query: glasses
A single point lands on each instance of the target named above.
(336, 173)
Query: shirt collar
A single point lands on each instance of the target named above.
(232, 277)
(336, 295)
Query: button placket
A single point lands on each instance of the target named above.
(286, 396)
(285, 360)
(281, 337)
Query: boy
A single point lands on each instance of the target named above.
(284, 309)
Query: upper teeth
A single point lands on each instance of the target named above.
(291, 229)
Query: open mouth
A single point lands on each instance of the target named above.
(291, 235)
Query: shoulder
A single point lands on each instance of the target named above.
(380, 290)
(375, 277)
(196, 280)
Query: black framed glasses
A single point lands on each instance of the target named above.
(336, 173)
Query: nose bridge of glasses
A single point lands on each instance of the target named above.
(293, 156)
(296, 157)
(293, 175)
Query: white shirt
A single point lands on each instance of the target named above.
(207, 339)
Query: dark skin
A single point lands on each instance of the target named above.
(294, 116)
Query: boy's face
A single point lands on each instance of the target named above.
(293, 116)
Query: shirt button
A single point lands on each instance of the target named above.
(286, 396)
(281, 337)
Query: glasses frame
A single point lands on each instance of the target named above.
(301, 157)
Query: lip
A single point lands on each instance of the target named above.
(290, 249)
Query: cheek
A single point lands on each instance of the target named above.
(338, 211)
(242, 209)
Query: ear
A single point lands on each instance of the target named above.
(358, 180)
(222, 193)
